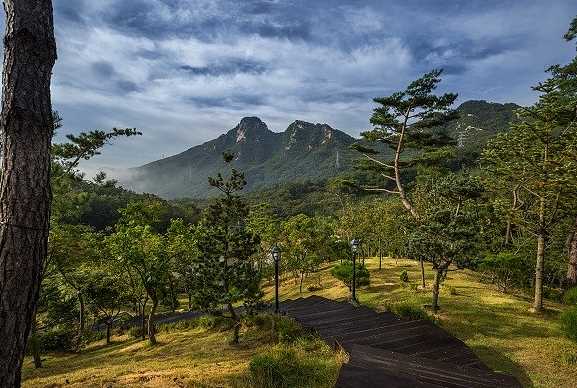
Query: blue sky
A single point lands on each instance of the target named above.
(185, 71)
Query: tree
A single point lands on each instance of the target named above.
(225, 272)
(449, 228)
(105, 295)
(141, 250)
(305, 244)
(183, 251)
(405, 121)
(536, 159)
(26, 123)
(564, 78)
(263, 223)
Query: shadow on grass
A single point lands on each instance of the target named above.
(500, 362)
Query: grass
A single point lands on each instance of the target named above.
(195, 357)
(191, 354)
(498, 327)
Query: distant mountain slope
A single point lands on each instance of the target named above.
(303, 151)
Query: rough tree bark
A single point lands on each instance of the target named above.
(26, 126)
(436, 286)
(151, 325)
(540, 262)
(571, 279)
(422, 264)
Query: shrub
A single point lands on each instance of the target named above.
(570, 296)
(307, 364)
(569, 323)
(452, 290)
(504, 269)
(60, 338)
(288, 330)
(134, 332)
(404, 276)
(344, 272)
(408, 310)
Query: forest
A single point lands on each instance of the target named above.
(431, 220)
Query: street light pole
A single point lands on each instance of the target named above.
(276, 257)
(354, 246)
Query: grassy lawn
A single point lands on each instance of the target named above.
(190, 358)
(497, 326)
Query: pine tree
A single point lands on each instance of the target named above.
(406, 121)
(225, 272)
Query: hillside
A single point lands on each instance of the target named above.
(496, 326)
(304, 151)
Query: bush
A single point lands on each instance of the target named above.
(408, 310)
(569, 323)
(570, 296)
(404, 276)
(134, 332)
(452, 290)
(344, 272)
(288, 330)
(307, 364)
(504, 269)
(58, 339)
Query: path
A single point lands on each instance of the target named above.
(386, 351)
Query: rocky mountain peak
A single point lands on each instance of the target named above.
(249, 128)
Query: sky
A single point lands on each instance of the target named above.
(186, 71)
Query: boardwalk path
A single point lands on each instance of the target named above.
(386, 351)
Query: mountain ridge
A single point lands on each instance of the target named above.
(304, 151)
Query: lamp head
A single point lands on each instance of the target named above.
(275, 253)
(355, 244)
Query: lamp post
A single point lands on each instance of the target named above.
(354, 246)
(276, 257)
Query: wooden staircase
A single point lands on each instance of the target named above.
(386, 351)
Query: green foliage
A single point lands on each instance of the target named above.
(408, 310)
(404, 276)
(344, 272)
(305, 244)
(225, 272)
(570, 296)
(453, 291)
(504, 269)
(59, 338)
(568, 320)
(306, 364)
(135, 332)
(288, 330)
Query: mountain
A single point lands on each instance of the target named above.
(479, 121)
(304, 151)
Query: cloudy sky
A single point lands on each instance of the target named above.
(185, 71)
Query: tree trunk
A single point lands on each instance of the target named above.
(380, 255)
(422, 273)
(436, 284)
(80, 316)
(26, 132)
(538, 302)
(143, 318)
(301, 282)
(571, 279)
(108, 331)
(236, 322)
(35, 344)
(189, 301)
(151, 327)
